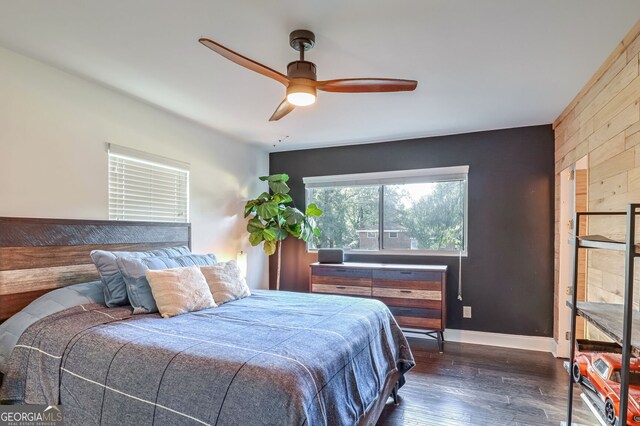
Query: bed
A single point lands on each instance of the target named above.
(271, 358)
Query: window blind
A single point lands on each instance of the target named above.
(398, 177)
(144, 187)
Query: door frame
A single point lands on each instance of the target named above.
(565, 263)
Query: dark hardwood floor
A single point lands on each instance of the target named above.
(483, 385)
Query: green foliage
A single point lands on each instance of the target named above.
(437, 221)
(277, 183)
(430, 217)
(346, 210)
(313, 210)
(274, 220)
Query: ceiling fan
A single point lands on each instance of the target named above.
(301, 82)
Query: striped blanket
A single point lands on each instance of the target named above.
(272, 358)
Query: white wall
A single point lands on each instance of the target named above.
(53, 160)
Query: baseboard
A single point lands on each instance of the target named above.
(556, 353)
(530, 343)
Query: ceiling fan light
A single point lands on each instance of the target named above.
(300, 95)
(301, 99)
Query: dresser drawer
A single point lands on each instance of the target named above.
(350, 290)
(336, 271)
(410, 303)
(396, 275)
(408, 284)
(401, 293)
(417, 317)
(339, 280)
(423, 323)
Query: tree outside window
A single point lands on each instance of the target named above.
(418, 217)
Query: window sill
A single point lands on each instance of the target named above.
(400, 253)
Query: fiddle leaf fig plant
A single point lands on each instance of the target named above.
(273, 218)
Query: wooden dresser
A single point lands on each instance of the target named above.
(415, 294)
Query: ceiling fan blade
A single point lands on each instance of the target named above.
(363, 85)
(244, 61)
(283, 109)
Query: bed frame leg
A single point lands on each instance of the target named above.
(394, 394)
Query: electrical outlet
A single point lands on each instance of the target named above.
(466, 312)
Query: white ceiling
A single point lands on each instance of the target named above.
(479, 64)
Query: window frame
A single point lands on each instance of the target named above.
(439, 174)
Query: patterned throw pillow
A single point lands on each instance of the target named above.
(181, 290)
(115, 292)
(226, 282)
(137, 286)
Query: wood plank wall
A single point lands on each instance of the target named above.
(603, 122)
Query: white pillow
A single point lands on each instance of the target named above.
(179, 290)
(225, 281)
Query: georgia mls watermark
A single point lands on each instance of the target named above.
(31, 415)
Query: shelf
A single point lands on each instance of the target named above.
(608, 318)
(601, 242)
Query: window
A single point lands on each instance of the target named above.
(601, 367)
(145, 187)
(409, 212)
(350, 216)
(634, 377)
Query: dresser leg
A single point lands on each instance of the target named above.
(441, 341)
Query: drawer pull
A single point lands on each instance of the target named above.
(341, 270)
(341, 287)
(405, 291)
(406, 272)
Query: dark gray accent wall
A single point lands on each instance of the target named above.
(508, 275)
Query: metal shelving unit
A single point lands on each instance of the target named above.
(614, 320)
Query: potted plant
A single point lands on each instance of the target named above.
(274, 218)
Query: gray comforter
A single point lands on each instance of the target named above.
(273, 358)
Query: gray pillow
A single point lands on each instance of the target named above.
(134, 270)
(47, 304)
(115, 291)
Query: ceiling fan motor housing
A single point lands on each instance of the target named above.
(301, 69)
(301, 75)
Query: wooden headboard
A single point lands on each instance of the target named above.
(39, 255)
